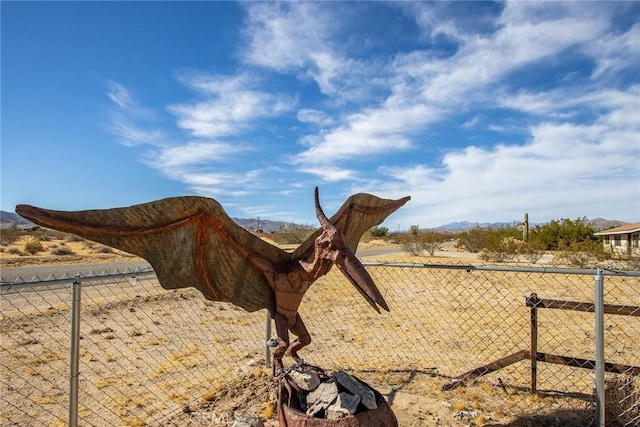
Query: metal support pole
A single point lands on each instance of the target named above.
(74, 362)
(534, 343)
(267, 337)
(599, 314)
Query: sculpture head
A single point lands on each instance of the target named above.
(331, 249)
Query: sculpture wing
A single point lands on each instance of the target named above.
(189, 241)
(357, 214)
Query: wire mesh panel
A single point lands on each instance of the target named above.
(622, 346)
(147, 352)
(460, 334)
(34, 327)
(144, 352)
(452, 321)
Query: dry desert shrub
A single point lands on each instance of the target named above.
(15, 251)
(32, 247)
(62, 251)
(10, 235)
(622, 399)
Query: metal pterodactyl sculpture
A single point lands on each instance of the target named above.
(191, 242)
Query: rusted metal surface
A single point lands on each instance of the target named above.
(191, 242)
(290, 414)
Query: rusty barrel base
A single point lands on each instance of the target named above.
(289, 416)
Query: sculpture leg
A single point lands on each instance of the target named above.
(303, 338)
(283, 341)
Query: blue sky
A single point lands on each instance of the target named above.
(480, 111)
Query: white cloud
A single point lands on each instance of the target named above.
(131, 134)
(615, 52)
(192, 154)
(571, 168)
(292, 37)
(129, 121)
(231, 105)
(368, 133)
(456, 21)
(329, 174)
(574, 131)
(482, 61)
(472, 122)
(314, 117)
(119, 95)
(424, 89)
(306, 39)
(283, 36)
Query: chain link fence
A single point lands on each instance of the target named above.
(460, 334)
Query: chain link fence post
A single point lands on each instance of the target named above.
(267, 337)
(599, 326)
(74, 362)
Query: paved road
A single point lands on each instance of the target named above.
(371, 253)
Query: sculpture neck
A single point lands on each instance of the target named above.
(315, 266)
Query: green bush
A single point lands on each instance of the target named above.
(562, 234)
(581, 254)
(501, 244)
(379, 231)
(473, 239)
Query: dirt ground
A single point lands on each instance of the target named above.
(78, 251)
(251, 394)
(120, 327)
(258, 396)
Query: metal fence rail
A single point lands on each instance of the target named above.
(145, 353)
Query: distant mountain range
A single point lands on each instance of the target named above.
(10, 219)
(267, 226)
(597, 223)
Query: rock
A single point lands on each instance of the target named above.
(354, 386)
(322, 397)
(465, 415)
(306, 380)
(250, 420)
(273, 342)
(345, 404)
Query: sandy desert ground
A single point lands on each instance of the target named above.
(180, 380)
(254, 392)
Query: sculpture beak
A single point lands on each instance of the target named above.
(353, 269)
